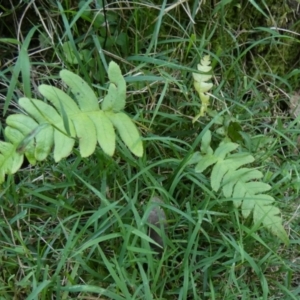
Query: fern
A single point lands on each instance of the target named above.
(242, 185)
(202, 86)
(66, 121)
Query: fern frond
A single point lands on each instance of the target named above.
(84, 95)
(115, 98)
(202, 86)
(127, 130)
(105, 132)
(242, 185)
(59, 126)
(10, 160)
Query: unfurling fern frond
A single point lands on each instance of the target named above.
(242, 185)
(202, 86)
(66, 121)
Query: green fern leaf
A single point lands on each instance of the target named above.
(59, 125)
(44, 113)
(243, 189)
(41, 112)
(81, 123)
(115, 98)
(64, 104)
(13, 135)
(204, 162)
(242, 185)
(202, 86)
(25, 125)
(261, 206)
(63, 145)
(86, 133)
(108, 103)
(85, 96)
(10, 160)
(42, 136)
(59, 99)
(231, 178)
(224, 149)
(44, 143)
(205, 143)
(269, 216)
(230, 164)
(105, 132)
(128, 132)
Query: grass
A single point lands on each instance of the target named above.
(76, 229)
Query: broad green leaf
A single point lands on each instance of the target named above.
(44, 143)
(42, 112)
(60, 125)
(242, 185)
(128, 132)
(25, 125)
(224, 149)
(223, 166)
(14, 135)
(109, 100)
(194, 158)
(232, 177)
(58, 98)
(10, 160)
(265, 213)
(63, 145)
(30, 137)
(236, 160)
(205, 143)
(86, 133)
(205, 61)
(239, 194)
(116, 96)
(115, 76)
(219, 120)
(83, 93)
(256, 187)
(205, 162)
(252, 202)
(203, 67)
(105, 132)
(21, 122)
(65, 105)
(252, 174)
(217, 174)
(269, 216)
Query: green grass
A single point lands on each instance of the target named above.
(77, 229)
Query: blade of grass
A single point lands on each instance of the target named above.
(22, 62)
